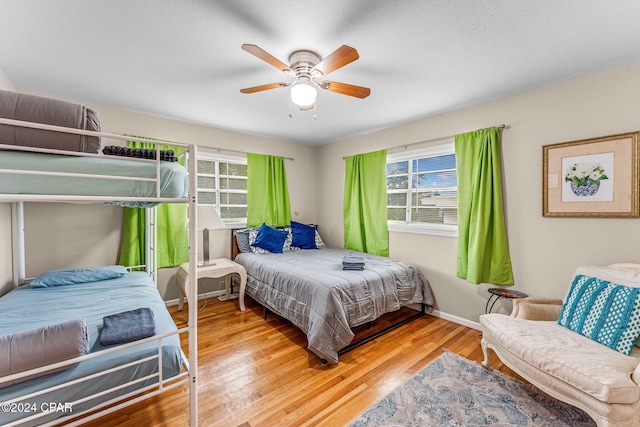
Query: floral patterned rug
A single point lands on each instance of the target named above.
(454, 391)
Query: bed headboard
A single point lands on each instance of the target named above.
(235, 250)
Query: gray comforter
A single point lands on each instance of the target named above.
(309, 288)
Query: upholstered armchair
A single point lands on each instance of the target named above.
(537, 342)
(537, 308)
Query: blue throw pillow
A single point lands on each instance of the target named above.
(77, 275)
(270, 239)
(603, 311)
(304, 236)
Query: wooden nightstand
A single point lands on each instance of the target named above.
(215, 268)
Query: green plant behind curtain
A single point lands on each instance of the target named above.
(365, 203)
(483, 249)
(171, 226)
(267, 191)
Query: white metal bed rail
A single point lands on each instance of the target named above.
(161, 384)
(190, 364)
(61, 129)
(151, 243)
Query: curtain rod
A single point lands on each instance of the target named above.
(405, 146)
(229, 150)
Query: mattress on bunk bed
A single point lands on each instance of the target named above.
(31, 108)
(311, 289)
(26, 308)
(173, 176)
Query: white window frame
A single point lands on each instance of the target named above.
(440, 147)
(207, 156)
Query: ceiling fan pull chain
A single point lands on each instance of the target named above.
(290, 109)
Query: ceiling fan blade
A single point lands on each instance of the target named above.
(263, 87)
(339, 58)
(268, 58)
(345, 89)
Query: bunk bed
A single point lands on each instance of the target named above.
(108, 377)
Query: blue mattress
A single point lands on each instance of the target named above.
(173, 176)
(25, 308)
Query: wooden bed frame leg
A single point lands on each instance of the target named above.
(264, 312)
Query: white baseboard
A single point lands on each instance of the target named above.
(212, 294)
(171, 302)
(456, 319)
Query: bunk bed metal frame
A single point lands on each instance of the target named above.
(189, 374)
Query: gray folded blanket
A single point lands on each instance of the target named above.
(352, 260)
(353, 263)
(127, 326)
(39, 347)
(31, 108)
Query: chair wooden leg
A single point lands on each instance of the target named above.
(485, 352)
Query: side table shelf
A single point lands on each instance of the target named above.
(213, 269)
(497, 293)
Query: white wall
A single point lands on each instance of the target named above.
(5, 83)
(544, 251)
(69, 236)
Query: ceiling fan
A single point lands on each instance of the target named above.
(308, 69)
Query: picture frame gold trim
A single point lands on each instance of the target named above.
(618, 197)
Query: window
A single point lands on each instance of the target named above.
(422, 193)
(222, 182)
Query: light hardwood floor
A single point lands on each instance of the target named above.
(255, 372)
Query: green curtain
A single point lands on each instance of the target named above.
(171, 227)
(483, 249)
(267, 191)
(365, 203)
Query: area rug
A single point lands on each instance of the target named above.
(454, 391)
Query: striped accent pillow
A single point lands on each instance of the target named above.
(603, 311)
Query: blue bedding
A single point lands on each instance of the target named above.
(173, 176)
(27, 308)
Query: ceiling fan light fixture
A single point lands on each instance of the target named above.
(303, 94)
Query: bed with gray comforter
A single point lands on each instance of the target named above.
(310, 289)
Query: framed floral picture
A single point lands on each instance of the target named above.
(591, 178)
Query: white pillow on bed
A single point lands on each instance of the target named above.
(77, 275)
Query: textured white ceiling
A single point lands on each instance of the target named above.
(183, 59)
